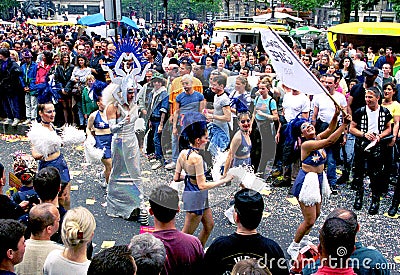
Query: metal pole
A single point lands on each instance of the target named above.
(115, 20)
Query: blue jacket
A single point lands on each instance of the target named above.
(28, 76)
(160, 104)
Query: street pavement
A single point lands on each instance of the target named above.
(281, 217)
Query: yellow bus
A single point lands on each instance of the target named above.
(367, 34)
(246, 33)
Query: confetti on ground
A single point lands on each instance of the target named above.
(75, 173)
(293, 201)
(265, 192)
(80, 148)
(396, 259)
(394, 217)
(74, 187)
(13, 138)
(266, 214)
(107, 244)
(146, 172)
(79, 181)
(339, 172)
(104, 204)
(90, 201)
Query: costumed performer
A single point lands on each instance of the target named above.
(240, 148)
(99, 131)
(46, 145)
(125, 195)
(195, 195)
(311, 184)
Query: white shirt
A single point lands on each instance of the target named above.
(326, 107)
(373, 117)
(295, 104)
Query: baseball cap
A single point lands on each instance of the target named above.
(248, 201)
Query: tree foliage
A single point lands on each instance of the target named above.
(6, 5)
(177, 9)
(306, 5)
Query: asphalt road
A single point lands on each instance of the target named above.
(280, 220)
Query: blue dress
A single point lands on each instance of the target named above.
(194, 200)
(315, 159)
(102, 141)
(243, 150)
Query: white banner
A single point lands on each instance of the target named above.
(290, 70)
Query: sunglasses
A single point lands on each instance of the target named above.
(245, 121)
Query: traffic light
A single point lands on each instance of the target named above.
(165, 3)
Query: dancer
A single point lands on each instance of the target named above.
(239, 150)
(311, 182)
(46, 146)
(99, 130)
(125, 196)
(195, 195)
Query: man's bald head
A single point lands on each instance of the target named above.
(347, 215)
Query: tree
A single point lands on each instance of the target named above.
(307, 5)
(5, 6)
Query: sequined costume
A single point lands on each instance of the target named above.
(310, 187)
(124, 186)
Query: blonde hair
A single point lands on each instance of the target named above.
(89, 77)
(5, 45)
(244, 81)
(78, 227)
(15, 55)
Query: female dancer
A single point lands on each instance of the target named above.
(53, 157)
(311, 182)
(195, 195)
(77, 231)
(239, 150)
(99, 129)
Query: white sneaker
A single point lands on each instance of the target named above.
(8, 121)
(15, 122)
(157, 165)
(27, 122)
(103, 184)
(171, 165)
(293, 250)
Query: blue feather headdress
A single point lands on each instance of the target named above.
(129, 68)
(97, 88)
(292, 131)
(48, 91)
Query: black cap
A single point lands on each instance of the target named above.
(248, 201)
(371, 71)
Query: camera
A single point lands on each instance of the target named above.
(32, 199)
